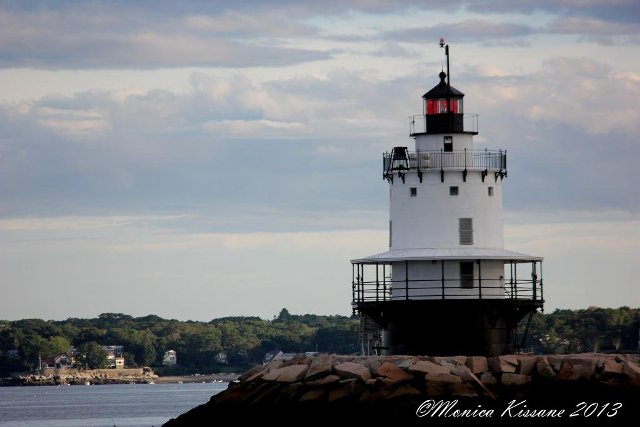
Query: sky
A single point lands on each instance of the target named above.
(204, 159)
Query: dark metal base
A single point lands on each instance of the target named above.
(449, 327)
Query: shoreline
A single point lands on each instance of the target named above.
(193, 379)
(110, 376)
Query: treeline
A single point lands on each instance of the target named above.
(589, 330)
(242, 340)
(246, 340)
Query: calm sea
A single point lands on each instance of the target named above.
(100, 405)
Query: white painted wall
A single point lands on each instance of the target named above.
(430, 220)
(435, 142)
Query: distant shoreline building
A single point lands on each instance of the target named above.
(170, 358)
(446, 285)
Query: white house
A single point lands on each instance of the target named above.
(170, 358)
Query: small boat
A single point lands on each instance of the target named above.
(87, 383)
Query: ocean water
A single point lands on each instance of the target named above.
(123, 405)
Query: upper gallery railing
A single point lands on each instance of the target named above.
(401, 160)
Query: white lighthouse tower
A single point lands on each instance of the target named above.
(446, 285)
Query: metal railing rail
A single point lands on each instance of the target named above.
(465, 160)
(396, 290)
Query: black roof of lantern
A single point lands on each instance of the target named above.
(441, 90)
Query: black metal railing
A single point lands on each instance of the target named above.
(399, 161)
(383, 288)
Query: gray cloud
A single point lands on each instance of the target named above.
(304, 153)
(470, 30)
(118, 35)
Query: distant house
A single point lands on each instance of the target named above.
(13, 354)
(222, 358)
(61, 361)
(170, 358)
(119, 362)
(114, 356)
(115, 350)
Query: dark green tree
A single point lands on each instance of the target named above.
(92, 355)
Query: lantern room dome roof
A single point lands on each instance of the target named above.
(441, 90)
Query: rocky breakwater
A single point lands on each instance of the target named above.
(578, 388)
(79, 377)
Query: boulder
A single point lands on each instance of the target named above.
(567, 373)
(352, 370)
(438, 384)
(555, 361)
(312, 396)
(373, 364)
(477, 364)
(254, 374)
(453, 360)
(348, 390)
(425, 367)
(611, 367)
(470, 377)
(297, 360)
(545, 370)
(584, 366)
(445, 378)
(508, 379)
(286, 374)
(319, 367)
(403, 391)
(631, 371)
(526, 365)
(389, 370)
(488, 379)
(462, 390)
(329, 379)
(404, 364)
(507, 363)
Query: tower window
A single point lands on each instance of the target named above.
(490, 191)
(466, 274)
(454, 190)
(413, 191)
(448, 143)
(466, 231)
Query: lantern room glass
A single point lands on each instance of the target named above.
(439, 106)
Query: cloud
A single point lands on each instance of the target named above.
(597, 30)
(292, 152)
(610, 10)
(570, 132)
(470, 30)
(110, 39)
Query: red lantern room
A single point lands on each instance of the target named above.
(443, 108)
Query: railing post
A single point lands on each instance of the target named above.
(534, 279)
(479, 279)
(406, 280)
(511, 277)
(360, 282)
(353, 284)
(384, 282)
(377, 284)
(515, 273)
(541, 287)
(442, 265)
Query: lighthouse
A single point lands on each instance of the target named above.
(446, 285)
